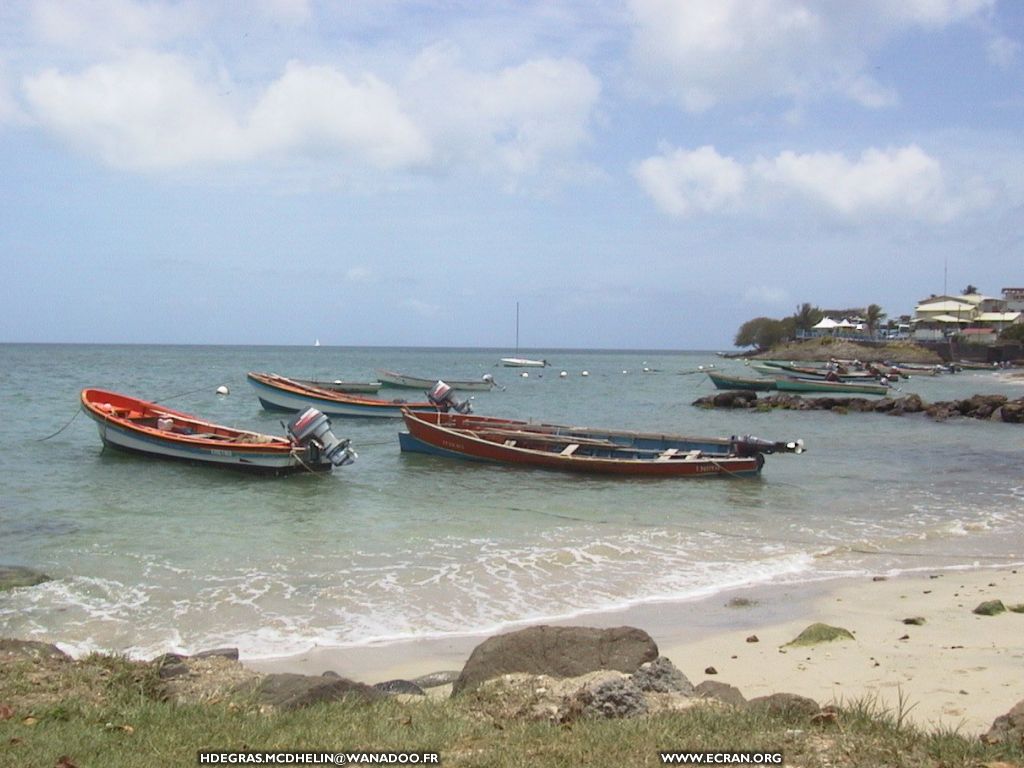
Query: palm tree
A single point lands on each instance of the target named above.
(806, 317)
(873, 316)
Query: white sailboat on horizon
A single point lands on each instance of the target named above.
(521, 362)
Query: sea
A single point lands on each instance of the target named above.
(148, 556)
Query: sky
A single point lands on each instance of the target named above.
(643, 174)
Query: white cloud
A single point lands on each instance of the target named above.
(682, 182)
(145, 111)
(903, 181)
(319, 109)
(151, 111)
(899, 182)
(704, 52)
(108, 26)
(358, 274)
(765, 294)
(1003, 51)
(514, 120)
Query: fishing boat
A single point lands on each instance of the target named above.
(521, 362)
(138, 426)
(722, 381)
(772, 368)
(349, 387)
(279, 393)
(580, 449)
(403, 380)
(836, 387)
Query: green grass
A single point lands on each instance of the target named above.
(109, 718)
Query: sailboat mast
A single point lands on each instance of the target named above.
(517, 329)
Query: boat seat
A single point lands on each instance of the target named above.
(667, 454)
(692, 455)
(570, 449)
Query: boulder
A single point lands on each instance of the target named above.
(1008, 728)
(786, 705)
(557, 652)
(437, 679)
(990, 608)
(611, 699)
(723, 692)
(31, 649)
(221, 653)
(289, 691)
(396, 687)
(821, 633)
(662, 676)
(13, 576)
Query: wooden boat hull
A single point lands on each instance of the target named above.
(132, 425)
(835, 387)
(573, 449)
(278, 393)
(394, 379)
(722, 381)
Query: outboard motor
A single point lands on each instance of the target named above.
(748, 445)
(313, 428)
(441, 396)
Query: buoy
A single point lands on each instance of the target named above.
(222, 390)
(585, 373)
(625, 371)
(563, 374)
(525, 375)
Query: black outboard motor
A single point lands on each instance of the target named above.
(313, 428)
(748, 445)
(441, 396)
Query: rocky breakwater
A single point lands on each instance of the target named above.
(988, 407)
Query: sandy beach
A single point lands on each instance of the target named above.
(957, 670)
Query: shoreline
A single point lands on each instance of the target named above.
(957, 670)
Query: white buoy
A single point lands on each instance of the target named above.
(625, 371)
(563, 374)
(585, 373)
(222, 390)
(525, 375)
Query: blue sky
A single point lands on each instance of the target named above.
(636, 174)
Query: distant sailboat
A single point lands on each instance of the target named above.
(316, 343)
(521, 362)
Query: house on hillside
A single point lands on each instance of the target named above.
(975, 316)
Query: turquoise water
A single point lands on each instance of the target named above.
(149, 556)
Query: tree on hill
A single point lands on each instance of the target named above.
(807, 317)
(764, 332)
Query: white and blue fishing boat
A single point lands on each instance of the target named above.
(279, 393)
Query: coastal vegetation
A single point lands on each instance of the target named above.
(113, 712)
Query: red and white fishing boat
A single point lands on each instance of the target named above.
(138, 426)
(582, 449)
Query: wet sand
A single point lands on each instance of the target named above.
(956, 670)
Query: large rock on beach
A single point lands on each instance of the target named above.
(662, 676)
(13, 576)
(786, 705)
(821, 633)
(1008, 728)
(723, 692)
(557, 652)
(289, 691)
(32, 649)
